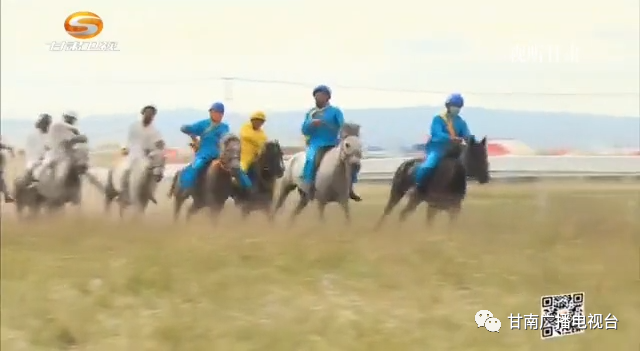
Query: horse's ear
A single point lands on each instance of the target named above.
(472, 140)
(484, 140)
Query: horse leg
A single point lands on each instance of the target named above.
(121, 207)
(285, 189)
(322, 206)
(178, 201)
(174, 183)
(412, 204)
(245, 209)
(108, 200)
(395, 195)
(34, 211)
(215, 208)
(347, 210)
(192, 210)
(302, 203)
(431, 213)
(454, 213)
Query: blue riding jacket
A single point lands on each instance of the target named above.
(210, 134)
(327, 133)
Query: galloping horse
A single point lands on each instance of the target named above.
(58, 184)
(214, 186)
(265, 170)
(446, 188)
(333, 174)
(144, 175)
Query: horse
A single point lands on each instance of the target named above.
(214, 185)
(4, 190)
(144, 175)
(335, 165)
(58, 184)
(446, 187)
(263, 172)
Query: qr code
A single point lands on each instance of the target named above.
(562, 315)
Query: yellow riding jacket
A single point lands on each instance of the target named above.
(251, 143)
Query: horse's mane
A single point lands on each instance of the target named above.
(226, 139)
(350, 129)
(454, 151)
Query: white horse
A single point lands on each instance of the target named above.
(58, 184)
(333, 174)
(144, 175)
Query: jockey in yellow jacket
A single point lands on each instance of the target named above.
(252, 139)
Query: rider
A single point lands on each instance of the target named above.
(36, 147)
(143, 136)
(3, 186)
(209, 133)
(446, 128)
(252, 139)
(321, 128)
(59, 133)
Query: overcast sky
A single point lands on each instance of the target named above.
(172, 51)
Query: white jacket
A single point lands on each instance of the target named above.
(58, 133)
(141, 138)
(35, 147)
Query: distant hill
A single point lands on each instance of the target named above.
(391, 128)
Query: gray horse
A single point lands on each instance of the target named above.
(214, 185)
(333, 175)
(3, 185)
(58, 184)
(144, 175)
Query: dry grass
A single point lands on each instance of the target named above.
(95, 284)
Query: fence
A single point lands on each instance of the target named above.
(505, 168)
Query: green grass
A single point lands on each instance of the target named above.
(96, 284)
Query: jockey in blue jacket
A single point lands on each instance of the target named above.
(321, 128)
(446, 128)
(210, 132)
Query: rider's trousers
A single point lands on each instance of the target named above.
(189, 175)
(309, 171)
(427, 166)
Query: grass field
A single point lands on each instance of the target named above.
(97, 284)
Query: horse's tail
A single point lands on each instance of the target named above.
(400, 184)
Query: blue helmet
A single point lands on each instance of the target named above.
(322, 89)
(455, 100)
(217, 107)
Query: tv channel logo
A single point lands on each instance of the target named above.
(83, 25)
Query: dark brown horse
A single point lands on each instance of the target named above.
(213, 186)
(263, 172)
(446, 188)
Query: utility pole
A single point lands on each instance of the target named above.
(228, 88)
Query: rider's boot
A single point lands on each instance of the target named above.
(8, 198)
(353, 196)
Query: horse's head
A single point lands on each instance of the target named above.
(350, 144)
(156, 161)
(476, 160)
(230, 151)
(272, 159)
(79, 156)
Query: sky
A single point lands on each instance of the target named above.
(171, 54)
